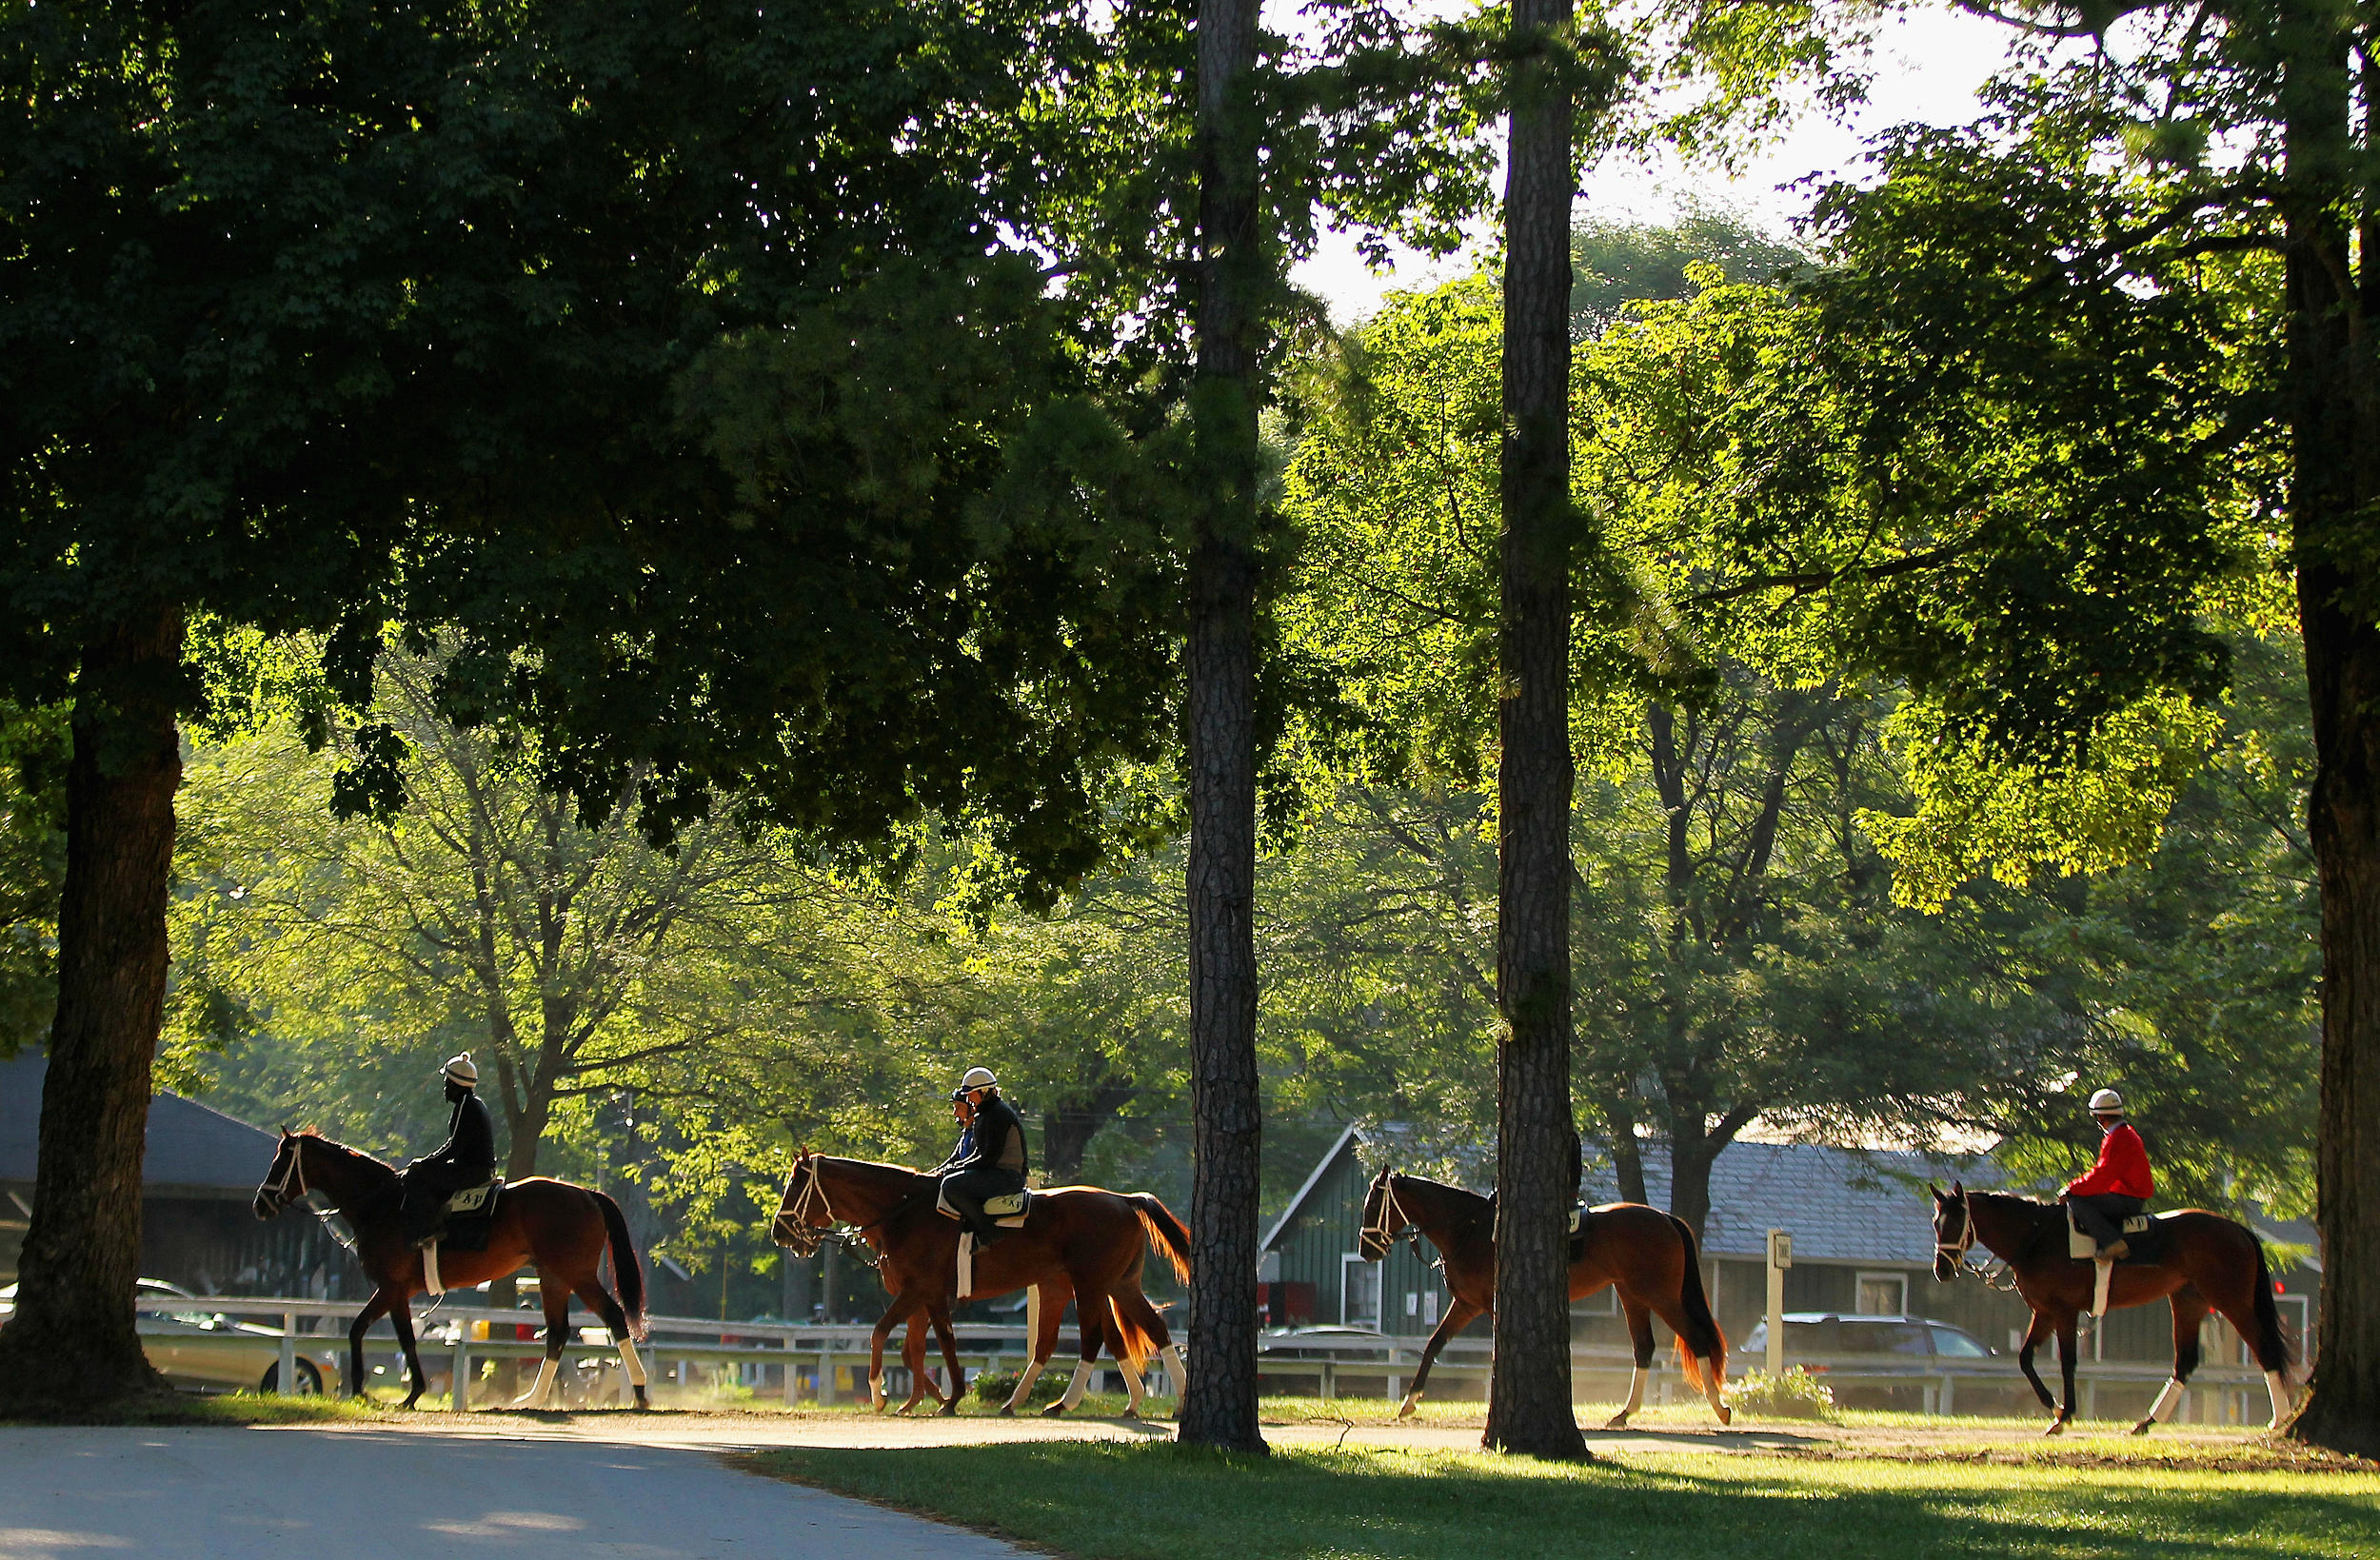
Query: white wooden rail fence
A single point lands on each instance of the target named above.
(815, 1353)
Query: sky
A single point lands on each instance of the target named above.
(1929, 63)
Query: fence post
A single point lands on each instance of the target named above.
(1950, 1394)
(828, 1391)
(459, 1382)
(793, 1372)
(288, 1355)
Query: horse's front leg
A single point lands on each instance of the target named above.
(1459, 1315)
(895, 1313)
(2038, 1330)
(939, 1313)
(373, 1309)
(2069, 1355)
(401, 1315)
(913, 1355)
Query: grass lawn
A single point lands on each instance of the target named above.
(1142, 1501)
(228, 1409)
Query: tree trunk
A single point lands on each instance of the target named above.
(1068, 1127)
(1627, 1150)
(71, 1342)
(1529, 1408)
(2335, 413)
(1218, 1407)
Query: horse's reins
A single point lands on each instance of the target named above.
(294, 1177)
(1956, 1250)
(814, 1194)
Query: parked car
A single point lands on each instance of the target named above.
(206, 1350)
(1320, 1342)
(1871, 1343)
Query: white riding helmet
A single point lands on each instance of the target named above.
(2107, 1101)
(462, 1070)
(977, 1078)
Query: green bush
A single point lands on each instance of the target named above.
(993, 1387)
(1797, 1394)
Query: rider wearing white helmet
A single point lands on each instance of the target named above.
(467, 1158)
(2115, 1188)
(989, 1161)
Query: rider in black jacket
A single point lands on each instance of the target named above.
(467, 1158)
(990, 1160)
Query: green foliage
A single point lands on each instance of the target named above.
(1793, 1395)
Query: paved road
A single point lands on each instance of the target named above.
(241, 1494)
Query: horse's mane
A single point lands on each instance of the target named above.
(1463, 1191)
(872, 1164)
(354, 1155)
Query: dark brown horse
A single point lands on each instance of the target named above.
(1648, 1255)
(2208, 1261)
(1076, 1243)
(559, 1229)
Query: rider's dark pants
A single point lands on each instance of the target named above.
(427, 1184)
(968, 1190)
(2101, 1214)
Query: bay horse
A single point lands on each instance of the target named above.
(1649, 1256)
(1076, 1243)
(559, 1229)
(2210, 1262)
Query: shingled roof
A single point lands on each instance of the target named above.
(193, 1149)
(1840, 1205)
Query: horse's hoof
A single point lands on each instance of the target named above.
(1413, 1402)
(948, 1411)
(1053, 1411)
(2057, 1427)
(1727, 1417)
(1007, 1411)
(1618, 1421)
(643, 1404)
(2144, 1427)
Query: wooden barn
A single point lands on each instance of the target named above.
(199, 1176)
(1863, 1245)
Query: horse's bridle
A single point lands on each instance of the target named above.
(1392, 1213)
(1956, 1250)
(797, 1217)
(292, 1187)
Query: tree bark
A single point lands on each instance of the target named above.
(1218, 1407)
(1529, 1408)
(71, 1342)
(2335, 413)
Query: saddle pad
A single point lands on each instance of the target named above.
(1008, 1211)
(474, 1199)
(2083, 1249)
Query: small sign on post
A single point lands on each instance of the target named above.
(1780, 1257)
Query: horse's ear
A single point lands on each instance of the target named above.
(1958, 1189)
(1935, 1190)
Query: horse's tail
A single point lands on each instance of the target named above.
(626, 1275)
(1129, 1340)
(2273, 1345)
(1702, 1340)
(1166, 1233)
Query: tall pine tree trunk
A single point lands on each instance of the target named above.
(1218, 1407)
(71, 1342)
(1529, 1408)
(2335, 412)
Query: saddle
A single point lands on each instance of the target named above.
(469, 1216)
(2143, 1238)
(1008, 1211)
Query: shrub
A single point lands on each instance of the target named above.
(993, 1387)
(1797, 1394)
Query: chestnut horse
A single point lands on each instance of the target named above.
(1649, 1256)
(559, 1229)
(1076, 1242)
(2208, 1261)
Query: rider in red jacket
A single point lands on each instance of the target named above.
(2115, 1188)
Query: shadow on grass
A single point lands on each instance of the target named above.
(1119, 1501)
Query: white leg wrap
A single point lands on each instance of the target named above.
(630, 1363)
(876, 1391)
(1024, 1384)
(536, 1398)
(1133, 1391)
(1636, 1390)
(1711, 1390)
(1076, 1387)
(1175, 1376)
(2167, 1402)
(2278, 1385)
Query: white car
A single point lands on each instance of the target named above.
(204, 1351)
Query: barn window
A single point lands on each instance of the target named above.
(1883, 1295)
(1358, 1292)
